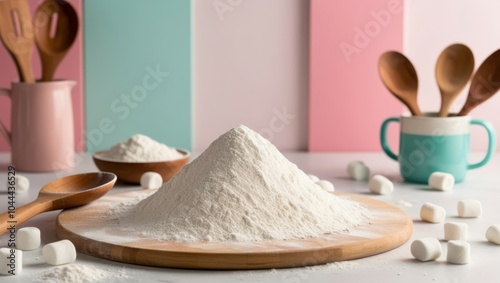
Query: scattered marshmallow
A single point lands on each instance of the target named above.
(60, 252)
(326, 185)
(458, 252)
(432, 213)
(357, 170)
(22, 184)
(493, 234)
(151, 180)
(426, 249)
(28, 238)
(313, 178)
(11, 261)
(380, 185)
(441, 181)
(469, 208)
(455, 231)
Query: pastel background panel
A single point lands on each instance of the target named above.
(71, 68)
(430, 26)
(348, 102)
(251, 68)
(138, 71)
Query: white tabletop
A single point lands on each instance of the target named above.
(396, 265)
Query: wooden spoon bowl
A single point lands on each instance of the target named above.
(16, 34)
(78, 190)
(400, 78)
(131, 172)
(52, 49)
(453, 71)
(68, 192)
(484, 84)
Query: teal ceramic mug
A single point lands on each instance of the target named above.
(430, 143)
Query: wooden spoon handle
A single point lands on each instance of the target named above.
(49, 66)
(415, 111)
(445, 107)
(11, 219)
(24, 65)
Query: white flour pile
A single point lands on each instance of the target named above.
(241, 189)
(78, 273)
(141, 148)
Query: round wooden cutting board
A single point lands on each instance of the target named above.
(93, 232)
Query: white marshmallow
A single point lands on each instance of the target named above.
(469, 208)
(357, 170)
(432, 213)
(458, 252)
(441, 181)
(380, 185)
(426, 249)
(455, 231)
(326, 185)
(493, 234)
(28, 238)
(22, 184)
(11, 261)
(313, 177)
(58, 253)
(151, 180)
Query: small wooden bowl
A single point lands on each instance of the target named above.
(131, 172)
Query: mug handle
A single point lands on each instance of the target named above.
(3, 130)
(491, 142)
(383, 137)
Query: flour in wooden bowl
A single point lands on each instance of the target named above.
(241, 189)
(141, 148)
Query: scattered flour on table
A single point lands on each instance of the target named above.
(141, 148)
(259, 275)
(78, 273)
(333, 266)
(404, 203)
(241, 189)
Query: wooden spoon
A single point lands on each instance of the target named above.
(453, 71)
(400, 78)
(67, 192)
(484, 84)
(53, 48)
(16, 32)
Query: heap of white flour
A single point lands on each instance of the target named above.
(141, 148)
(241, 189)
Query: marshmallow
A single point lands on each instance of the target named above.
(455, 231)
(357, 170)
(493, 234)
(58, 253)
(325, 185)
(11, 261)
(441, 181)
(458, 252)
(28, 238)
(469, 208)
(22, 184)
(426, 249)
(313, 177)
(151, 180)
(380, 185)
(432, 213)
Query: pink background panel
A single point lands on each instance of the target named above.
(251, 67)
(348, 102)
(71, 68)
